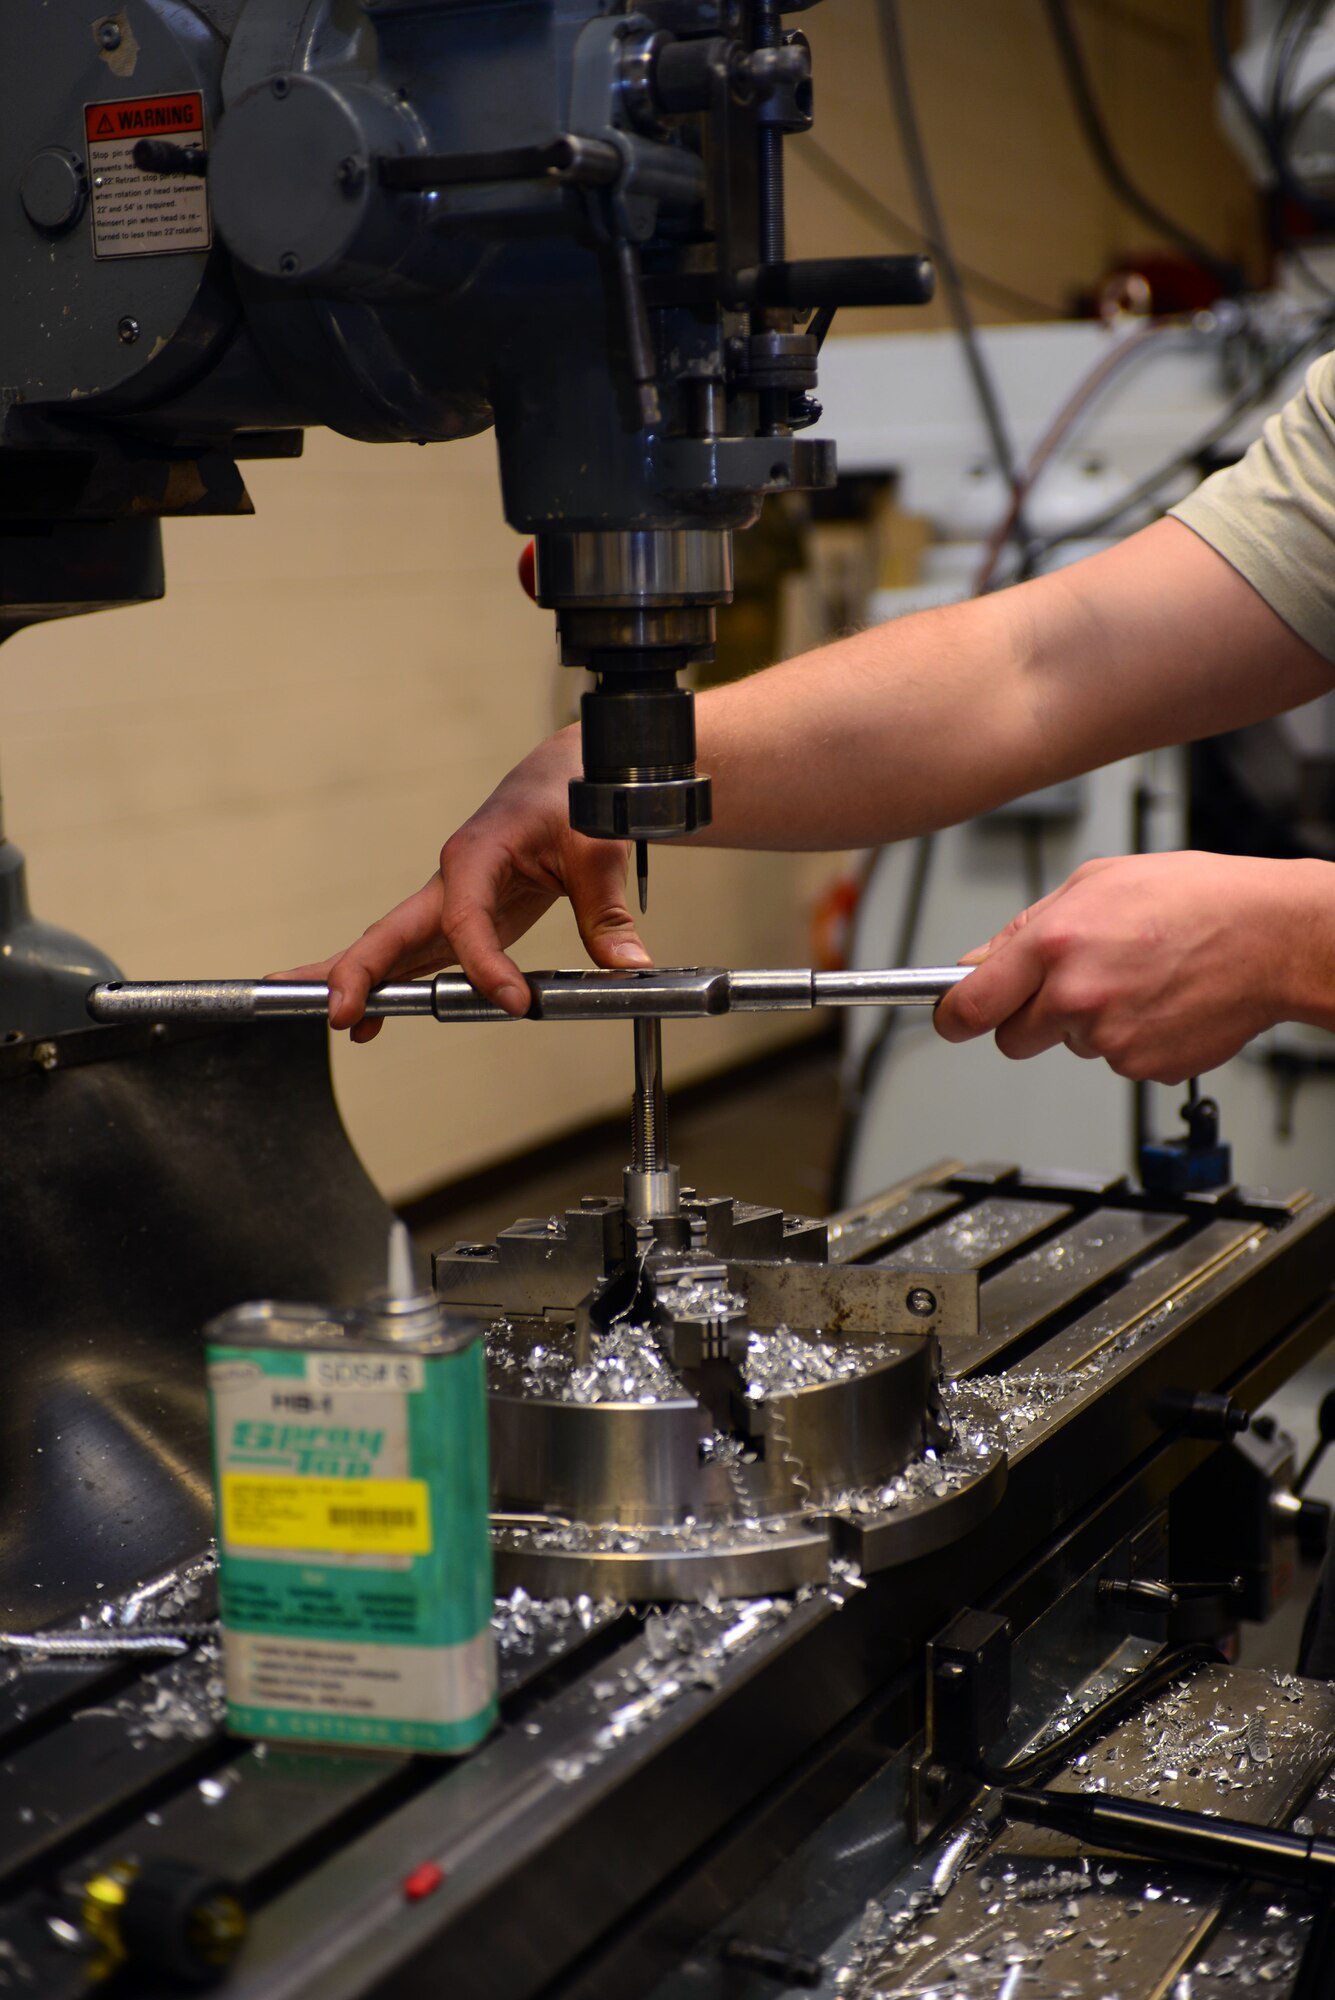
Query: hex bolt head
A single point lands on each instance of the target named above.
(109, 34)
(921, 1303)
(351, 173)
(127, 330)
(46, 1055)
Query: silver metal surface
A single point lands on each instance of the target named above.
(1019, 1297)
(633, 567)
(858, 1233)
(851, 1301)
(578, 995)
(794, 1557)
(978, 1237)
(121, 1000)
(652, 1185)
(651, 1195)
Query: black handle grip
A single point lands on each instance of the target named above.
(164, 156)
(839, 281)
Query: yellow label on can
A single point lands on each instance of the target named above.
(267, 1510)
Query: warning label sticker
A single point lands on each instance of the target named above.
(140, 214)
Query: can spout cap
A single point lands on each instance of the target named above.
(401, 1283)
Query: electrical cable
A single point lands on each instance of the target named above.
(1286, 116)
(989, 402)
(1229, 277)
(1181, 461)
(867, 203)
(1272, 138)
(1107, 366)
(1282, 41)
(1295, 23)
(1298, 256)
(933, 226)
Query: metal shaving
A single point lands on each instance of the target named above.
(884, 1930)
(973, 1237)
(696, 1298)
(974, 1444)
(168, 1614)
(1076, 1703)
(83, 1644)
(626, 1365)
(782, 1362)
(1261, 1956)
(684, 1649)
(1176, 1737)
(1022, 1400)
(1056, 1931)
(175, 1593)
(610, 1538)
(525, 1625)
(183, 1702)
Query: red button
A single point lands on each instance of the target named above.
(528, 570)
(422, 1882)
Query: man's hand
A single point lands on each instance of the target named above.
(498, 874)
(1163, 965)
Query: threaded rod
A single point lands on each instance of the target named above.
(648, 1117)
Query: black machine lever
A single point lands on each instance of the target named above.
(808, 282)
(1202, 1413)
(1148, 1594)
(164, 156)
(567, 157)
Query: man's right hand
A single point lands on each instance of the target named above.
(498, 874)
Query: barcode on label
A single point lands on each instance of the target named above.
(373, 1517)
(283, 1511)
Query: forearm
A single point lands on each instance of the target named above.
(860, 742)
(932, 719)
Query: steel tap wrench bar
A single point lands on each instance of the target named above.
(689, 993)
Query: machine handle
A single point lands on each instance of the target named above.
(838, 281)
(691, 993)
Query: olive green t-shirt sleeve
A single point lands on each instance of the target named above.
(1272, 515)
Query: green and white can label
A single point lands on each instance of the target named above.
(354, 1555)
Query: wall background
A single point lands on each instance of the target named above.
(1022, 197)
(240, 778)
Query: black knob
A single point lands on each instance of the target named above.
(181, 1919)
(1201, 1413)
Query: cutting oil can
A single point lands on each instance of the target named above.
(350, 1468)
